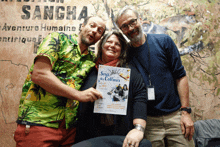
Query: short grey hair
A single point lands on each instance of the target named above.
(123, 10)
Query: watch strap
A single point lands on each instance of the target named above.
(187, 109)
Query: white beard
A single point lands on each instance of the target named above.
(138, 38)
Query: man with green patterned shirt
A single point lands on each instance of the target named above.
(50, 94)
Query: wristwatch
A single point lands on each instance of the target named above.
(187, 109)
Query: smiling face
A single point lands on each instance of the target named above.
(111, 49)
(92, 31)
(133, 28)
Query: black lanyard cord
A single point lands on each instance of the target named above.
(149, 61)
(135, 59)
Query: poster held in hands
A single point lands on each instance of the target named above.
(113, 83)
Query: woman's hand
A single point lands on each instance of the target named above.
(133, 138)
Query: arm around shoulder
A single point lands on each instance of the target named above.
(43, 77)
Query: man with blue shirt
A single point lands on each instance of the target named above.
(157, 59)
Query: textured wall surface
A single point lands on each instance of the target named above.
(193, 25)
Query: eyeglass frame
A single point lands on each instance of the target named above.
(132, 23)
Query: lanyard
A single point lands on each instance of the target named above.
(142, 69)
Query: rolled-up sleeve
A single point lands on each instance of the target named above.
(174, 59)
(49, 48)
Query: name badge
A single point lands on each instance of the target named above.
(151, 93)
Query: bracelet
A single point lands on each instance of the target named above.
(139, 127)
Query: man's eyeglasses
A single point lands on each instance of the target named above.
(132, 23)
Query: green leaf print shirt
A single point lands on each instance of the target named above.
(39, 107)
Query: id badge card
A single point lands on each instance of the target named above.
(151, 93)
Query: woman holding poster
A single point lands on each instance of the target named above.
(112, 52)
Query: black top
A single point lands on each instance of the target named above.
(89, 123)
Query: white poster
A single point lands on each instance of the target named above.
(113, 83)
